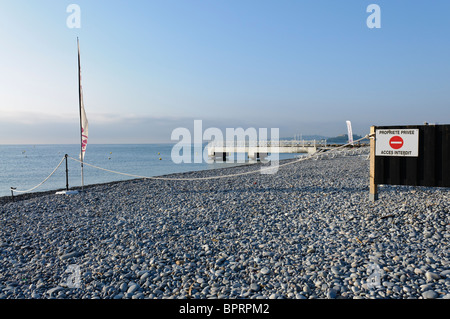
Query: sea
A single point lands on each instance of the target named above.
(26, 166)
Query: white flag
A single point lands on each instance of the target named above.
(350, 134)
(84, 130)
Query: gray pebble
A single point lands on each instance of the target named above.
(254, 287)
(429, 294)
(431, 276)
(123, 287)
(265, 270)
(335, 270)
(331, 294)
(132, 288)
(71, 255)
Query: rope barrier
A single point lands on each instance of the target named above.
(188, 179)
(219, 176)
(31, 189)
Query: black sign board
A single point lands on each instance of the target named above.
(430, 168)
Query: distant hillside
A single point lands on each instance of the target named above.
(306, 137)
(342, 139)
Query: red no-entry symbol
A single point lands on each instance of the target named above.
(396, 142)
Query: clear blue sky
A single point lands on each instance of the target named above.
(149, 67)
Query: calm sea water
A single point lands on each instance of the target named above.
(25, 166)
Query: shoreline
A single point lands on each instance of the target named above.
(25, 196)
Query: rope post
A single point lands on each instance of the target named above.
(12, 193)
(67, 173)
(373, 188)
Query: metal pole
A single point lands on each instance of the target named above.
(67, 174)
(12, 193)
(81, 125)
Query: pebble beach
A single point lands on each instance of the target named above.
(307, 232)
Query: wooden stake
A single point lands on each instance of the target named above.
(373, 188)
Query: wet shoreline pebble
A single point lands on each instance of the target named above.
(308, 231)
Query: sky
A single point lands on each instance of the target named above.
(149, 67)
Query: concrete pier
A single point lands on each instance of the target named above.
(260, 150)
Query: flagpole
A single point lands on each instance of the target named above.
(81, 125)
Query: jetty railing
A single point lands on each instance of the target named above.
(269, 143)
